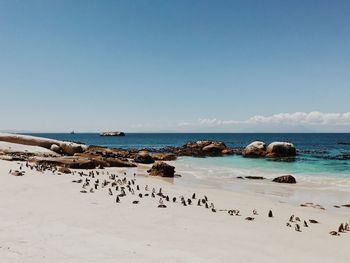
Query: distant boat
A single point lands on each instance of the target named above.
(117, 133)
(72, 132)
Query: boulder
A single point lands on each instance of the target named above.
(55, 148)
(162, 169)
(287, 179)
(280, 149)
(17, 173)
(255, 149)
(254, 177)
(64, 170)
(164, 157)
(116, 162)
(66, 161)
(203, 149)
(143, 157)
(68, 148)
(214, 147)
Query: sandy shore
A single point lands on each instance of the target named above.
(45, 218)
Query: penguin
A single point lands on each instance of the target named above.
(305, 224)
(153, 195)
(270, 214)
(137, 187)
(199, 202)
(213, 210)
(341, 228)
(249, 218)
(313, 221)
(206, 205)
(174, 199)
(206, 198)
(117, 200)
(297, 219)
(346, 227)
(96, 186)
(140, 195)
(146, 188)
(334, 233)
(255, 212)
(189, 201)
(288, 224)
(167, 198)
(110, 191)
(297, 228)
(135, 202)
(91, 190)
(194, 196)
(117, 188)
(291, 218)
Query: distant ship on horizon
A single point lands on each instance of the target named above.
(115, 133)
(72, 132)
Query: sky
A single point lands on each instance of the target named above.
(175, 66)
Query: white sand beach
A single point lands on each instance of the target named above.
(45, 218)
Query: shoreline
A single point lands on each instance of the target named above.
(45, 217)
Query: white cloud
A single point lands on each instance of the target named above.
(298, 121)
(297, 118)
(312, 118)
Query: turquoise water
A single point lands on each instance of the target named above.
(319, 155)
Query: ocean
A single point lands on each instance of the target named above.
(322, 157)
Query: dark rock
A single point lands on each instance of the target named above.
(17, 173)
(254, 177)
(164, 157)
(162, 169)
(143, 157)
(287, 179)
(64, 170)
(280, 149)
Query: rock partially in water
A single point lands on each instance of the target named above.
(255, 149)
(280, 149)
(203, 149)
(286, 179)
(164, 157)
(162, 169)
(254, 177)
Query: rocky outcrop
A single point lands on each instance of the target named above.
(143, 157)
(281, 149)
(162, 169)
(255, 149)
(203, 149)
(8, 148)
(286, 179)
(68, 148)
(164, 157)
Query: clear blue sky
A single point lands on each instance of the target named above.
(174, 65)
